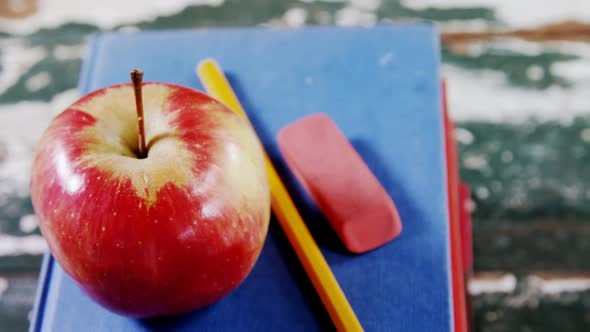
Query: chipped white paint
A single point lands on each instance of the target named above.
(534, 287)
(463, 136)
(557, 286)
(368, 5)
(69, 52)
(349, 16)
(356, 14)
(487, 95)
(28, 223)
(576, 71)
(38, 81)
(535, 72)
(15, 60)
(482, 192)
(21, 126)
(504, 284)
(295, 17)
(105, 14)
(475, 161)
(20, 245)
(521, 13)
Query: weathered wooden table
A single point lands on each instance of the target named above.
(519, 86)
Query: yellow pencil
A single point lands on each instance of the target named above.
(289, 218)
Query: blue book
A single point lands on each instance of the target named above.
(381, 86)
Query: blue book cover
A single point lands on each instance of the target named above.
(381, 86)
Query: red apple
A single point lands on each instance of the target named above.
(165, 234)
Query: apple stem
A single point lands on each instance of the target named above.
(136, 78)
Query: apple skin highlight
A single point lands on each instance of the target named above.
(163, 235)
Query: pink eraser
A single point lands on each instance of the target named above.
(341, 184)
